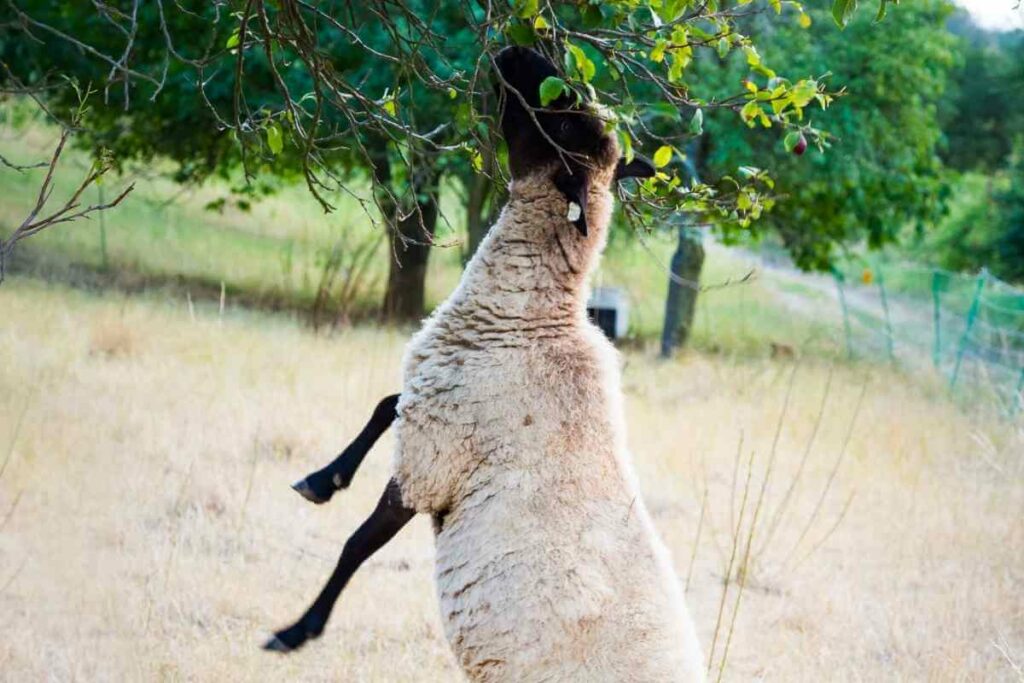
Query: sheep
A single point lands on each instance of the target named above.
(510, 433)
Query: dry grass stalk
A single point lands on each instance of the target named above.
(812, 518)
(696, 541)
(787, 497)
(727, 576)
(744, 568)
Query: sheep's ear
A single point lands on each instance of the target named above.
(639, 167)
(574, 187)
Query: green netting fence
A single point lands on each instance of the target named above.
(967, 328)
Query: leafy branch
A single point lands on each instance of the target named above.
(325, 87)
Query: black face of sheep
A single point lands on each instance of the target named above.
(565, 135)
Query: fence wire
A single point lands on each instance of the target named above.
(967, 328)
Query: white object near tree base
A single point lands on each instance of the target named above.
(608, 308)
(574, 212)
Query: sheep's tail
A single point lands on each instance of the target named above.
(319, 486)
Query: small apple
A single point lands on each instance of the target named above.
(801, 146)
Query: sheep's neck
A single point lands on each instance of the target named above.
(531, 271)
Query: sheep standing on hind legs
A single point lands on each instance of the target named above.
(510, 433)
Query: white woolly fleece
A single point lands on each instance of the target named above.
(511, 427)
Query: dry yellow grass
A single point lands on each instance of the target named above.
(148, 531)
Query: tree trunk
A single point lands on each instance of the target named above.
(484, 199)
(476, 218)
(684, 281)
(410, 238)
(681, 302)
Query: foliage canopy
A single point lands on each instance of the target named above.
(319, 88)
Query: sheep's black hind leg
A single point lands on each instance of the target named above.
(381, 526)
(321, 485)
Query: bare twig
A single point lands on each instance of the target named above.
(71, 209)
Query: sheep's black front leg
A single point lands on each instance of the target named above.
(321, 485)
(381, 526)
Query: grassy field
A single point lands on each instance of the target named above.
(147, 531)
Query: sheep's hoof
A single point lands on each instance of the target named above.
(308, 489)
(275, 644)
(293, 637)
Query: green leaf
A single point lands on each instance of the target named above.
(671, 9)
(750, 111)
(662, 156)
(586, 68)
(680, 36)
(551, 88)
(589, 70)
(527, 8)
(697, 122)
(680, 60)
(803, 92)
(626, 142)
(723, 47)
(658, 53)
(522, 34)
(274, 139)
(753, 58)
(592, 16)
(232, 41)
(842, 10)
(881, 10)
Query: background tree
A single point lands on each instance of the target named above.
(984, 113)
(983, 122)
(881, 170)
(1008, 247)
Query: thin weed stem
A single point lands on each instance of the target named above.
(787, 497)
(831, 477)
(835, 525)
(696, 541)
(732, 558)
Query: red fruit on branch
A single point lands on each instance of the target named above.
(801, 146)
